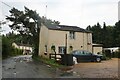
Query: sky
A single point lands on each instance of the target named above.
(79, 13)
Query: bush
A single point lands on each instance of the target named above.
(47, 61)
(7, 49)
(104, 57)
(108, 53)
(16, 51)
(116, 54)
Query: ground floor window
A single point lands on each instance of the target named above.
(45, 48)
(61, 49)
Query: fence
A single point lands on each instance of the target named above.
(56, 57)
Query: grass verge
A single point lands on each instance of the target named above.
(50, 62)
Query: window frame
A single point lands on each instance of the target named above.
(61, 49)
(71, 34)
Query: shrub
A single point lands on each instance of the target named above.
(108, 53)
(16, 51)
(117, 54)
(47, 61)
(7, 49)
(104, 56)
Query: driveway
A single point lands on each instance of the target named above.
(105, 69)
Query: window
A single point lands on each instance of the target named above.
(45, 48)
(89, 39)
(72, 35)
(78, 52)
(61, 49)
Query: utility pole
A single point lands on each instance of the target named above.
(65, 51)
(46, 11)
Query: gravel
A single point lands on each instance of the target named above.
(104, 69)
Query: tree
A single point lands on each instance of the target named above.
(7, 48)
(104, 33)
(88, 28)
(22, 24)
(96, 30)
(30, 30)
(109, 36)
(117, 34)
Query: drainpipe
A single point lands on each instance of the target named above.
(66, 43)
(87, 42)
(65, 52)
(83, 40)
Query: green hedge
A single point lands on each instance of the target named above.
(107, 54)
(51, 62)
(16, 51)
(116, 54)
(8, 50)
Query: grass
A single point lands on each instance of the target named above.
(51, 62)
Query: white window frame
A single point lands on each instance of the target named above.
(61, 49)
(72, 35)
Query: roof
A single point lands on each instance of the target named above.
(112, 48)
(65, 28)
(27, 45)
(97, 45)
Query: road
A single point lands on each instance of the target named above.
(0, 69)
(24, 67)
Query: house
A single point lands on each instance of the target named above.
(27, 49)
(113, 49)
(53, 37)
(97, 48)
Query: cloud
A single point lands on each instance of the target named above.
(72, 12)
(100, 12)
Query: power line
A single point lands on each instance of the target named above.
(6, 4)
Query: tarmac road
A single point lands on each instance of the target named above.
(24, 67)
(0, 69)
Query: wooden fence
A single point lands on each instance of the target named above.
(55, 56)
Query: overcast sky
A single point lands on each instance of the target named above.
(79, 13)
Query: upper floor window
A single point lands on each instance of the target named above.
(89, 39)
(72, 35)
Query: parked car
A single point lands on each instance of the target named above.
(82, 56)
